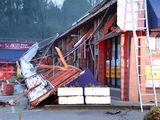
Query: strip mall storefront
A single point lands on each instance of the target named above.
(110, 64)
(10, 52)
(109, 53)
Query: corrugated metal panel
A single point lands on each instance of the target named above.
(10, 55)
(61, 78)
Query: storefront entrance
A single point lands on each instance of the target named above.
(113, 62)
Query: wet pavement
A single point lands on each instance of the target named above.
(12, 113)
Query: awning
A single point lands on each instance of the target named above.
(10, 55)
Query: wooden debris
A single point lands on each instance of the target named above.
(52, 67)
(61, 57)
(53, 78)
(59, 79)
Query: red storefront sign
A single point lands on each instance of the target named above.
(15, 45)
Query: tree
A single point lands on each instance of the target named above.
(72, 10)
(53, 19)
(38, 19)
(94, 2)
(10, 14)
(34, 13)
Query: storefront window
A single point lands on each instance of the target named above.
(113, 64)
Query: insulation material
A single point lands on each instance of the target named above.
(98, 100)
(71, 100)
(38, 91)
(96, 91)
(32, 78)
(97, 95)
(30, 53)
(71, 91)
(27, 68)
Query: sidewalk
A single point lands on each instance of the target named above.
(114, 104)
(118, 110)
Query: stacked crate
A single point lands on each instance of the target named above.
(97, 95)
(70, 95)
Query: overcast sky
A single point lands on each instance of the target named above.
(58, 2)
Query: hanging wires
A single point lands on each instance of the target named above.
(83, 42)
(91, 35)
(50, 45)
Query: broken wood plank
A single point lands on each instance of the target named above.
(52, 67)
(37, 101)
(61, 78)
(61, 57)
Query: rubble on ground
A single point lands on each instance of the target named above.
(42, 80)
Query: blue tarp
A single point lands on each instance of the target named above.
(84, 80)
(10, 55)
(153, 13)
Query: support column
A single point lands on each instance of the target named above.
(102, 58)
(133, 88)
(124, 68)
(83, 61)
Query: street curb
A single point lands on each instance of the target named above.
(93, 107)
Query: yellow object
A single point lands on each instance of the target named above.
(112, 71)
(156, 71)
(118, 72)
(107, 71)
(19, 74)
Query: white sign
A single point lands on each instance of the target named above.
(125, 17)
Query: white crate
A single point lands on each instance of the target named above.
(98, 100)
(97, 91)
(70, 91)
(63, 100)
(71, 100)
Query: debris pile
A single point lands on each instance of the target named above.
(42, 79)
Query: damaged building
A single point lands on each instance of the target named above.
(103, 41)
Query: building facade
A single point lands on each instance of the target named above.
(96, 42)
(10, 52)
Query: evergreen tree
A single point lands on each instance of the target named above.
(94, 2)
(53, 19)
(38, 19)
(72, 10)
